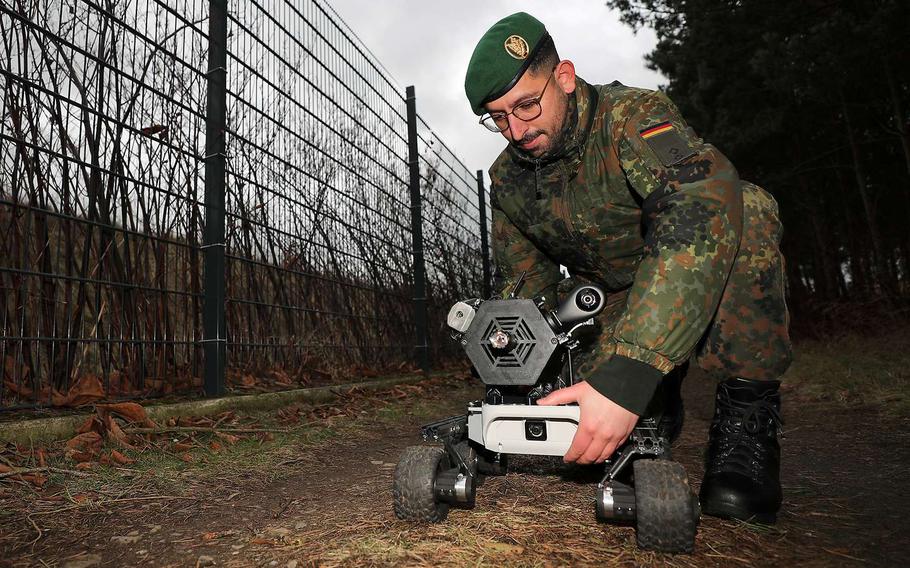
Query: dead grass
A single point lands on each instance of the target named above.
(856, 370)
(320, 494)
(524, 520)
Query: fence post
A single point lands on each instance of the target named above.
(419, 297)
(484, 239)
(214, 336)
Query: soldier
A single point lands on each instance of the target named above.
(609, 181)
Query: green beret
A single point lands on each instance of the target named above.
(501, 57)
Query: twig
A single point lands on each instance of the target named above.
(45, 470)
(149, 498)
(37, 528)
(167, 429)
(836, 553)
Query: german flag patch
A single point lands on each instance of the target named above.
(667, 143)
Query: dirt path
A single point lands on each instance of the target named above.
(330, 504)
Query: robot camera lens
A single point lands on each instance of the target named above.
(535, 430)
(588, 299)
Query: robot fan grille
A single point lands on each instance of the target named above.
(521, 342)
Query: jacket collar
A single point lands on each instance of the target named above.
(580, 114)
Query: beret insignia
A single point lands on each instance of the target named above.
(517, 47)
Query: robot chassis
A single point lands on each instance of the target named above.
(521, 352)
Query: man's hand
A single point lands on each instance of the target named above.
(602, 426)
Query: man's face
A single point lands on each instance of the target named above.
(536, 137)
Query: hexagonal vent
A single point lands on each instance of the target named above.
(521, 342)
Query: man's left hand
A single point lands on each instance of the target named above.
(602, 426)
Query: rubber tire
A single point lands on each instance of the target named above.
(412, 484)
(666, 509)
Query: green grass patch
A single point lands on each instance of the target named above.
(856, 370)
(162, 466)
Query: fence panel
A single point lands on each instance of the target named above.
(451, 226)
(102, 213)
(99, 198)
(318, 238)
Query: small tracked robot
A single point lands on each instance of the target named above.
(522, 352)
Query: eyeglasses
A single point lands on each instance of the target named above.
(525, 110)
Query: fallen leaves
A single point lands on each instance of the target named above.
(86, 389)
(84, 447)
(104, 426)
(117, 457)
(37, 479)
(229, 438)
(132, 412)
(116, 435)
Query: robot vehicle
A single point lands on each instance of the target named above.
(522, 352)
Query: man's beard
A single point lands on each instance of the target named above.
(536, 152)
(555, 143)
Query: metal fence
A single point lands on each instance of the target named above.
(229, 195)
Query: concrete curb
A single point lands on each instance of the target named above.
(63, 427)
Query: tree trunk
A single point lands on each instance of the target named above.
(859, 279)
(903, 132)
(881, 271)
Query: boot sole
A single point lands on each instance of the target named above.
(727, 511)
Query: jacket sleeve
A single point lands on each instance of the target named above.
(692, 216)
(513, 254)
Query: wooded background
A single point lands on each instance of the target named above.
(810, 100)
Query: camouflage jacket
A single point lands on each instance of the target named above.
(656, 216)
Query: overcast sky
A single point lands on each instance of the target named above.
(427, 43)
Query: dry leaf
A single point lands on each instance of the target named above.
(87, 389)
(215, 446)
(182, 446)
(42, 457)
(185, 456)
(230, 439)
(118, 435)
(85, 465)
(120, 458)
(86, 426)
(83, 447)
(35, 478)
(209, 536)
(131, 412)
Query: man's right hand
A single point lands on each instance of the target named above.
(602, 426)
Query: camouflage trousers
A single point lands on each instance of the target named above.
(748, 336)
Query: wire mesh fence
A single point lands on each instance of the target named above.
(111, 211)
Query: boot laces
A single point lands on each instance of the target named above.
(740, 424)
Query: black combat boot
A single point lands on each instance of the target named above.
(742, 473)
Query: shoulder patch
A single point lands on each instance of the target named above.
(665, 141)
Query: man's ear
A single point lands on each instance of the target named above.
(565, 76)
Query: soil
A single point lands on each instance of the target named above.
(331, 505)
